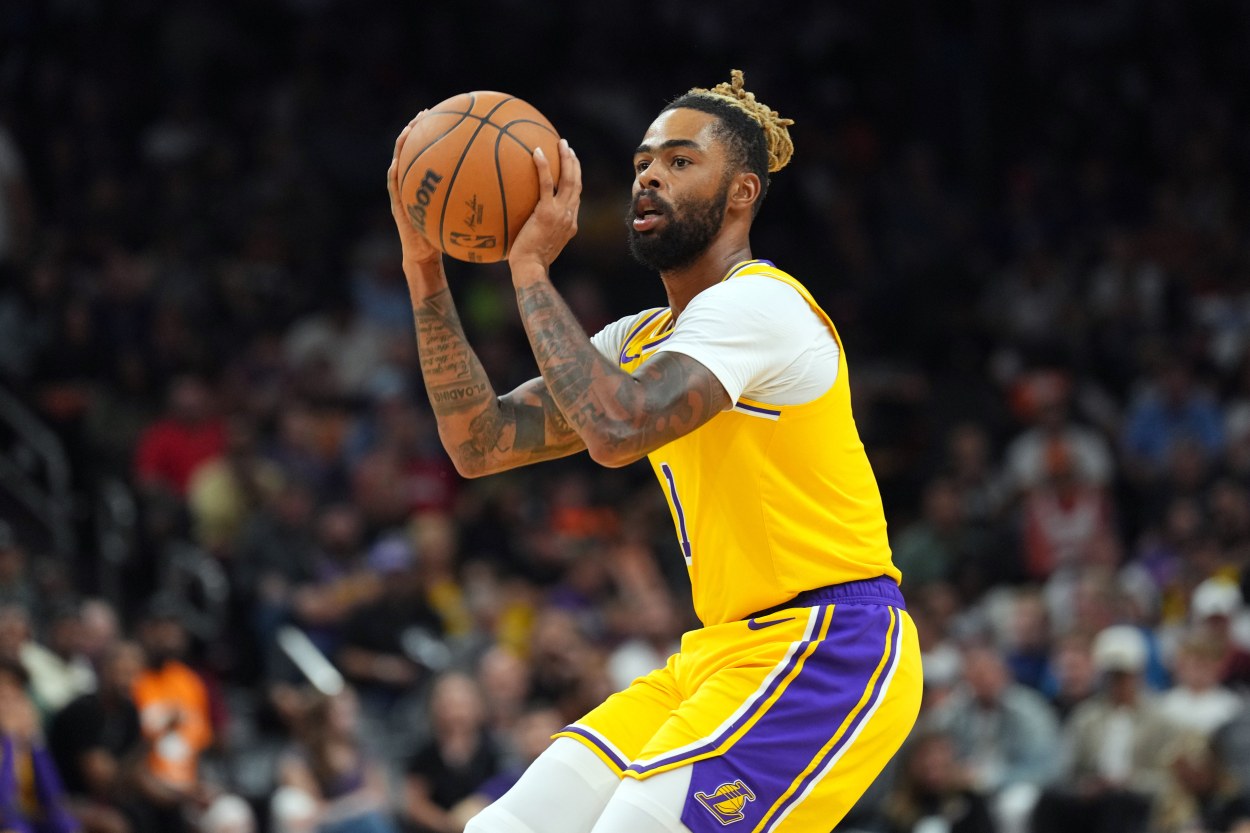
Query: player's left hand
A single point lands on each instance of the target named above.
(554, 221)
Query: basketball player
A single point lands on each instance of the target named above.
(805, 679)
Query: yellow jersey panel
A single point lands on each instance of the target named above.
(768, 500)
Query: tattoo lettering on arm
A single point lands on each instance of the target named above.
(620, 417)
(483, 433)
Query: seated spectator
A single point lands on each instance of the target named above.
(31, 797)
(1174, 410)
(1198, 702)
(933, 792)
(1217, 609)
(503, 677)
(1115, 743)
(529, 738)
(1063, 516)
(59, 671)
(1028, 639)
(1202, 793)
(225, 490)
(456, 761)
(941, 546)
(1004, 736)
(173, 706)
(1072, 677)
(171, 448)
(95, 741)
(328, 782)
(1048, 404)
(378, 635)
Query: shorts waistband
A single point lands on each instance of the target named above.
(881, 590)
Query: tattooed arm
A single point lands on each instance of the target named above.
(621, 418)
(482, 433)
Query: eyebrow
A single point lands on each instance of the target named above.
(671, 143)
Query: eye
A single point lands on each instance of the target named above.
(680, 162)
(641, 165)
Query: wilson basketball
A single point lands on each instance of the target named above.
(466, 172)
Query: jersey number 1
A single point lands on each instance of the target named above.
(682, 536)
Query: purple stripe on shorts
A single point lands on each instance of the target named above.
(818, 770)
(594, 739)
(771, 755)
(759, 698)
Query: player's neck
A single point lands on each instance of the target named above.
(710, 268)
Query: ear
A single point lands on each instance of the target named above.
(744, 190)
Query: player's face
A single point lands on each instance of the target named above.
(681, 186)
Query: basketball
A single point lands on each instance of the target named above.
(466, 172)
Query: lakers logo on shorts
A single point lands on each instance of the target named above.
(726, 801)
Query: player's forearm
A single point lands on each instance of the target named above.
(614, 413)
(455, 381)
(482, 432)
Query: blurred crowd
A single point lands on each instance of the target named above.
(1028, 220)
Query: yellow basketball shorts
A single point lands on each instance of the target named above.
(786, 717)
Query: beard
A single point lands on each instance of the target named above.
(686, 234)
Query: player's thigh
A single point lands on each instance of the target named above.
(619, 729)
(809, 738)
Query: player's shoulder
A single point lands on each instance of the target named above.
(759, 290)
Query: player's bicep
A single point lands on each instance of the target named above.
(668, 397)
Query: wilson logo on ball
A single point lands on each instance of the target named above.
(416, 211)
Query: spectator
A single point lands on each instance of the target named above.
(329, 772)
(1073, 676)
(224, 491)
(530, 736)
(455, 762)
(1203, 794)
(1198, 702)
(653, 635)
(1218, 610)
(171, 448)
(503, 677)
(1063, 517)
(173, 705)
(60, 671)
(941, 546)
(1172, 411)
(1115, 745)
(1004, 736)
(100, 630)
(1048, 402)
(932, 791)
(31, 797)
(96, 742)
(381, 636)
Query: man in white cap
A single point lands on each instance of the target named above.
(1114, 743)
(1217, 608)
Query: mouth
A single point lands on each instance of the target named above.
(648, 212)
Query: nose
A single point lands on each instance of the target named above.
(649, 177)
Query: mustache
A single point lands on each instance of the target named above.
(631, 210)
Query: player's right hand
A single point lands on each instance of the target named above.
(416, 248)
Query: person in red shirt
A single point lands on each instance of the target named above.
(171, 448)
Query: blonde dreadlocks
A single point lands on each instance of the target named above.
(776, 129)
(757, 136)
